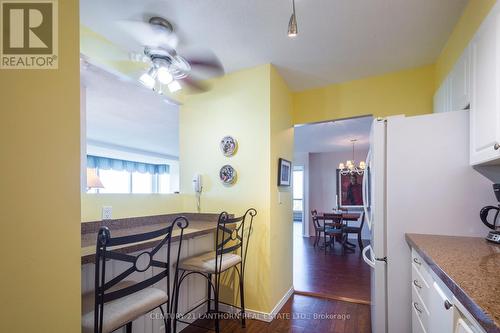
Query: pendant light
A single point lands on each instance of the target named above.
(292, 24)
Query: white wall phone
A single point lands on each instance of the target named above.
(198, 188)
(197, 183)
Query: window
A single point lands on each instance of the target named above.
(298, 190)
(119, 176)
(142, 182)
(164, 183)
(114, 181)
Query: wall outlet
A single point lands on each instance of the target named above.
(107, 212)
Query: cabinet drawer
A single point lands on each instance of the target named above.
(421, 267)
(420, 284)
(416, 323)
(420, 312)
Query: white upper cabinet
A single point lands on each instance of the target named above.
(459, 83)
(442, 98)
(485, 110)
(454, 92)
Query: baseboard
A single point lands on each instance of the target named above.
(259, 315)
(333, 297)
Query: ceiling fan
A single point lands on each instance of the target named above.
(165, 67)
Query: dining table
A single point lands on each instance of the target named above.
(346, 218)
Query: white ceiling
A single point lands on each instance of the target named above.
(333, 136)
(122, 114)
(338, 40)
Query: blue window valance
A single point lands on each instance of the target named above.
(106, 163)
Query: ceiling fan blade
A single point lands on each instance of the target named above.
(194, 86)
(147, 34)
(213, 66)
(204, 63)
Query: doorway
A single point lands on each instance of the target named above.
(325, 268)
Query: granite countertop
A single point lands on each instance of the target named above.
(199, 224)
(470, 268)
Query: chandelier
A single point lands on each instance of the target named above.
(350, 167)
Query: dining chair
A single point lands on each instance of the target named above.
(116, 302)
(318, 229)
(357, 230)
(232, 237)
(333, 229)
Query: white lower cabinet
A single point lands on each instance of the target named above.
(464, 326)
(433, 306)
(192, 293)
(441, 307)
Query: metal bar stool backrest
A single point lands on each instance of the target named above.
(233, 233)
(138, 263)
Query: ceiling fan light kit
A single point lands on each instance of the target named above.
(164, 75)
(148, 78)
(165, 66)
(292, 24)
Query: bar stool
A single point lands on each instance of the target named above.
(230, 237)
(116, 302)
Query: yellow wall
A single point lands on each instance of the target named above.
(471, 19)
(253, 105)
(407, 92)
(130, 205)
(237, 105)
(40, 198)
(281, 213)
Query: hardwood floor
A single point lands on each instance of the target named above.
(331, 278)
(303, 314)
(335, 276)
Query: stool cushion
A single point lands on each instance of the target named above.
(205, 263)
(121, 311)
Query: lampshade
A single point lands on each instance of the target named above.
(292, 24)
(93, 180)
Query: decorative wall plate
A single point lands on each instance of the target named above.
(228, 174)
(228, 146)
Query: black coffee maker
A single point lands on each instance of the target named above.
(494, 223)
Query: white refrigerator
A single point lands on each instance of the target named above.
(418, 181)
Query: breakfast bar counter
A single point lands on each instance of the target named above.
(469, 267)
(199, 224)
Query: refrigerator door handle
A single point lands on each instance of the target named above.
(370, 261)
(364, 188)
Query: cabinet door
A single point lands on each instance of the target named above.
(485, 111)
(460, 83)
(463, 327)
(441, 311)
(442, 97)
